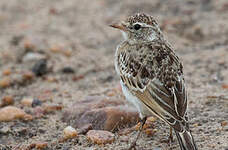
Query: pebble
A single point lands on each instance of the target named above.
(40, 67)
(41, 145)
(28, 76)
(5, 82)
(225, 86)
(150, 132)
(61, 50)
(6, 72)
(7, 100)
(100, 136)
(224, 123)
(67, 70)
(103, 113)
(31, 57)
(69, 132)
(52, 108)
(36, 102)
(27, 101)
(10, 113)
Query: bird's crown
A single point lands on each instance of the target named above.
(142, 18)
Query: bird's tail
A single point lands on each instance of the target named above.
(186, 140)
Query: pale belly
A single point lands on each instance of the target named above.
(143, 111)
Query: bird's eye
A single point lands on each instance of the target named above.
(137, 26)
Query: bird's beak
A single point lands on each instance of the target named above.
(120, 26)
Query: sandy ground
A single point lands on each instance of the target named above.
(196, 29)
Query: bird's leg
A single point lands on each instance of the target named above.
(170, 139)
(142, 122)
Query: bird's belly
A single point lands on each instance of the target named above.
(143, 111)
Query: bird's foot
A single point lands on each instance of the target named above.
(169, 141)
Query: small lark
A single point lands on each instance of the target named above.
(152, 76)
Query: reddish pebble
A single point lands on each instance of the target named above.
(100, 136)
(5, 82)
(52, 108)
(10, 113)
(76, 78)
(69, 132)
(28, 75)
(225, 86)
(41, 145)
(224, 123)
(6, 72)
(27, 101)
(7, 100)
(150, 132)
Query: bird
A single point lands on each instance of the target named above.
(151, 76)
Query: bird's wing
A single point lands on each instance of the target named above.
(156, 79)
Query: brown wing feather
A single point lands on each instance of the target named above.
(153, 73)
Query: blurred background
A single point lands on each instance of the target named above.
(64, 50)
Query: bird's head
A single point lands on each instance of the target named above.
(139, 28)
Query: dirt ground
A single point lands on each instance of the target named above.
(75, 33)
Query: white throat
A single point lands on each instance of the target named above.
(124, 35)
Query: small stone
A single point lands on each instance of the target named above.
(10, 113)
(225, 86)
(103, 113)
(40, 68)
(36, 102)
(29, 45)
(6, 72)
(27, 101)
(52, 108)
(7, 100)
(51, 79)
(41, 145)
(76, 78)
(32, 56)
(5, 82)
(28, 75)
(69, 132)
(149, 122)
(195, 125)
(61, 50)
(150, 132)
(100, 136)
(68, 70)
(67, 53)
(56, 49)
(224, 123)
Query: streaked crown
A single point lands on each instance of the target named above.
(142, 18)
